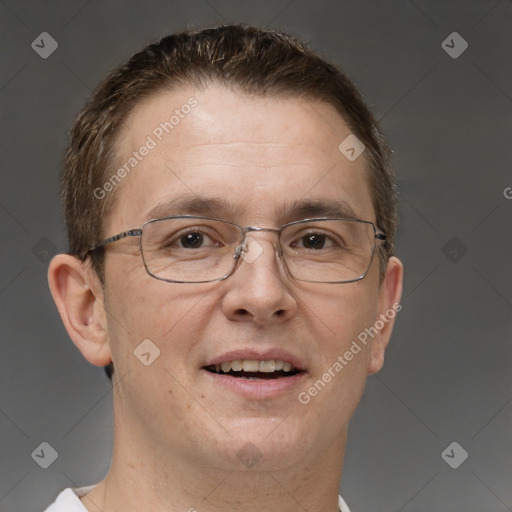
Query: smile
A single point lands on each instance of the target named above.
(253, 369)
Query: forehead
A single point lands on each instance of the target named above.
(255, 155)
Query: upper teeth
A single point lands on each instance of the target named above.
(253, 365)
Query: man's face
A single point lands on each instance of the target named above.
(260, 156)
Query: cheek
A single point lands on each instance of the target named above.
(171, 315)
(338, 320)
(141, 304)
(337, 382)
(341, 314)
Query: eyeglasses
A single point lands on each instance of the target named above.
(190, 249)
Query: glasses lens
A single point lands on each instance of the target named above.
(328, 251)
(189, 249)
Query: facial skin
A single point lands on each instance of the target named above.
(177, 430)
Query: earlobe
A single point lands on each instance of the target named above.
(388, 306)
(79, 298)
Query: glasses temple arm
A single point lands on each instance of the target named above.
(115, 238)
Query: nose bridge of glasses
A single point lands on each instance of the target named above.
(257, 229)
(251, 248)
(251, 229)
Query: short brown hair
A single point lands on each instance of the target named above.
(246, 58)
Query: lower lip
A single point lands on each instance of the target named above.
(257, 389)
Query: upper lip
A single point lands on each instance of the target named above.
(259, 355)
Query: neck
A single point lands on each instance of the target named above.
(143, 478)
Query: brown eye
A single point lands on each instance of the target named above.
(191, 240)
(313, 241)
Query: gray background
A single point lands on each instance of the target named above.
(448, 371)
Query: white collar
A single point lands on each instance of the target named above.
(81, 491)
(342, 505)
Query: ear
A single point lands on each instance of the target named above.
(388, 305)
(78, 294)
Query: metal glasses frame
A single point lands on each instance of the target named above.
(239, 250)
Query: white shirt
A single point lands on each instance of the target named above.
(69, 501)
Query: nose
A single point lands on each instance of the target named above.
(259, 289)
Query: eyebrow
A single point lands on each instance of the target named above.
(309, 208)
(193, 205)
(220, 208)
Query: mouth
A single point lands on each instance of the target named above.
(255, 373)
(254, 369)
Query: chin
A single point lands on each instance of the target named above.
(263, 444)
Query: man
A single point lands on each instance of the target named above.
(231, 215)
